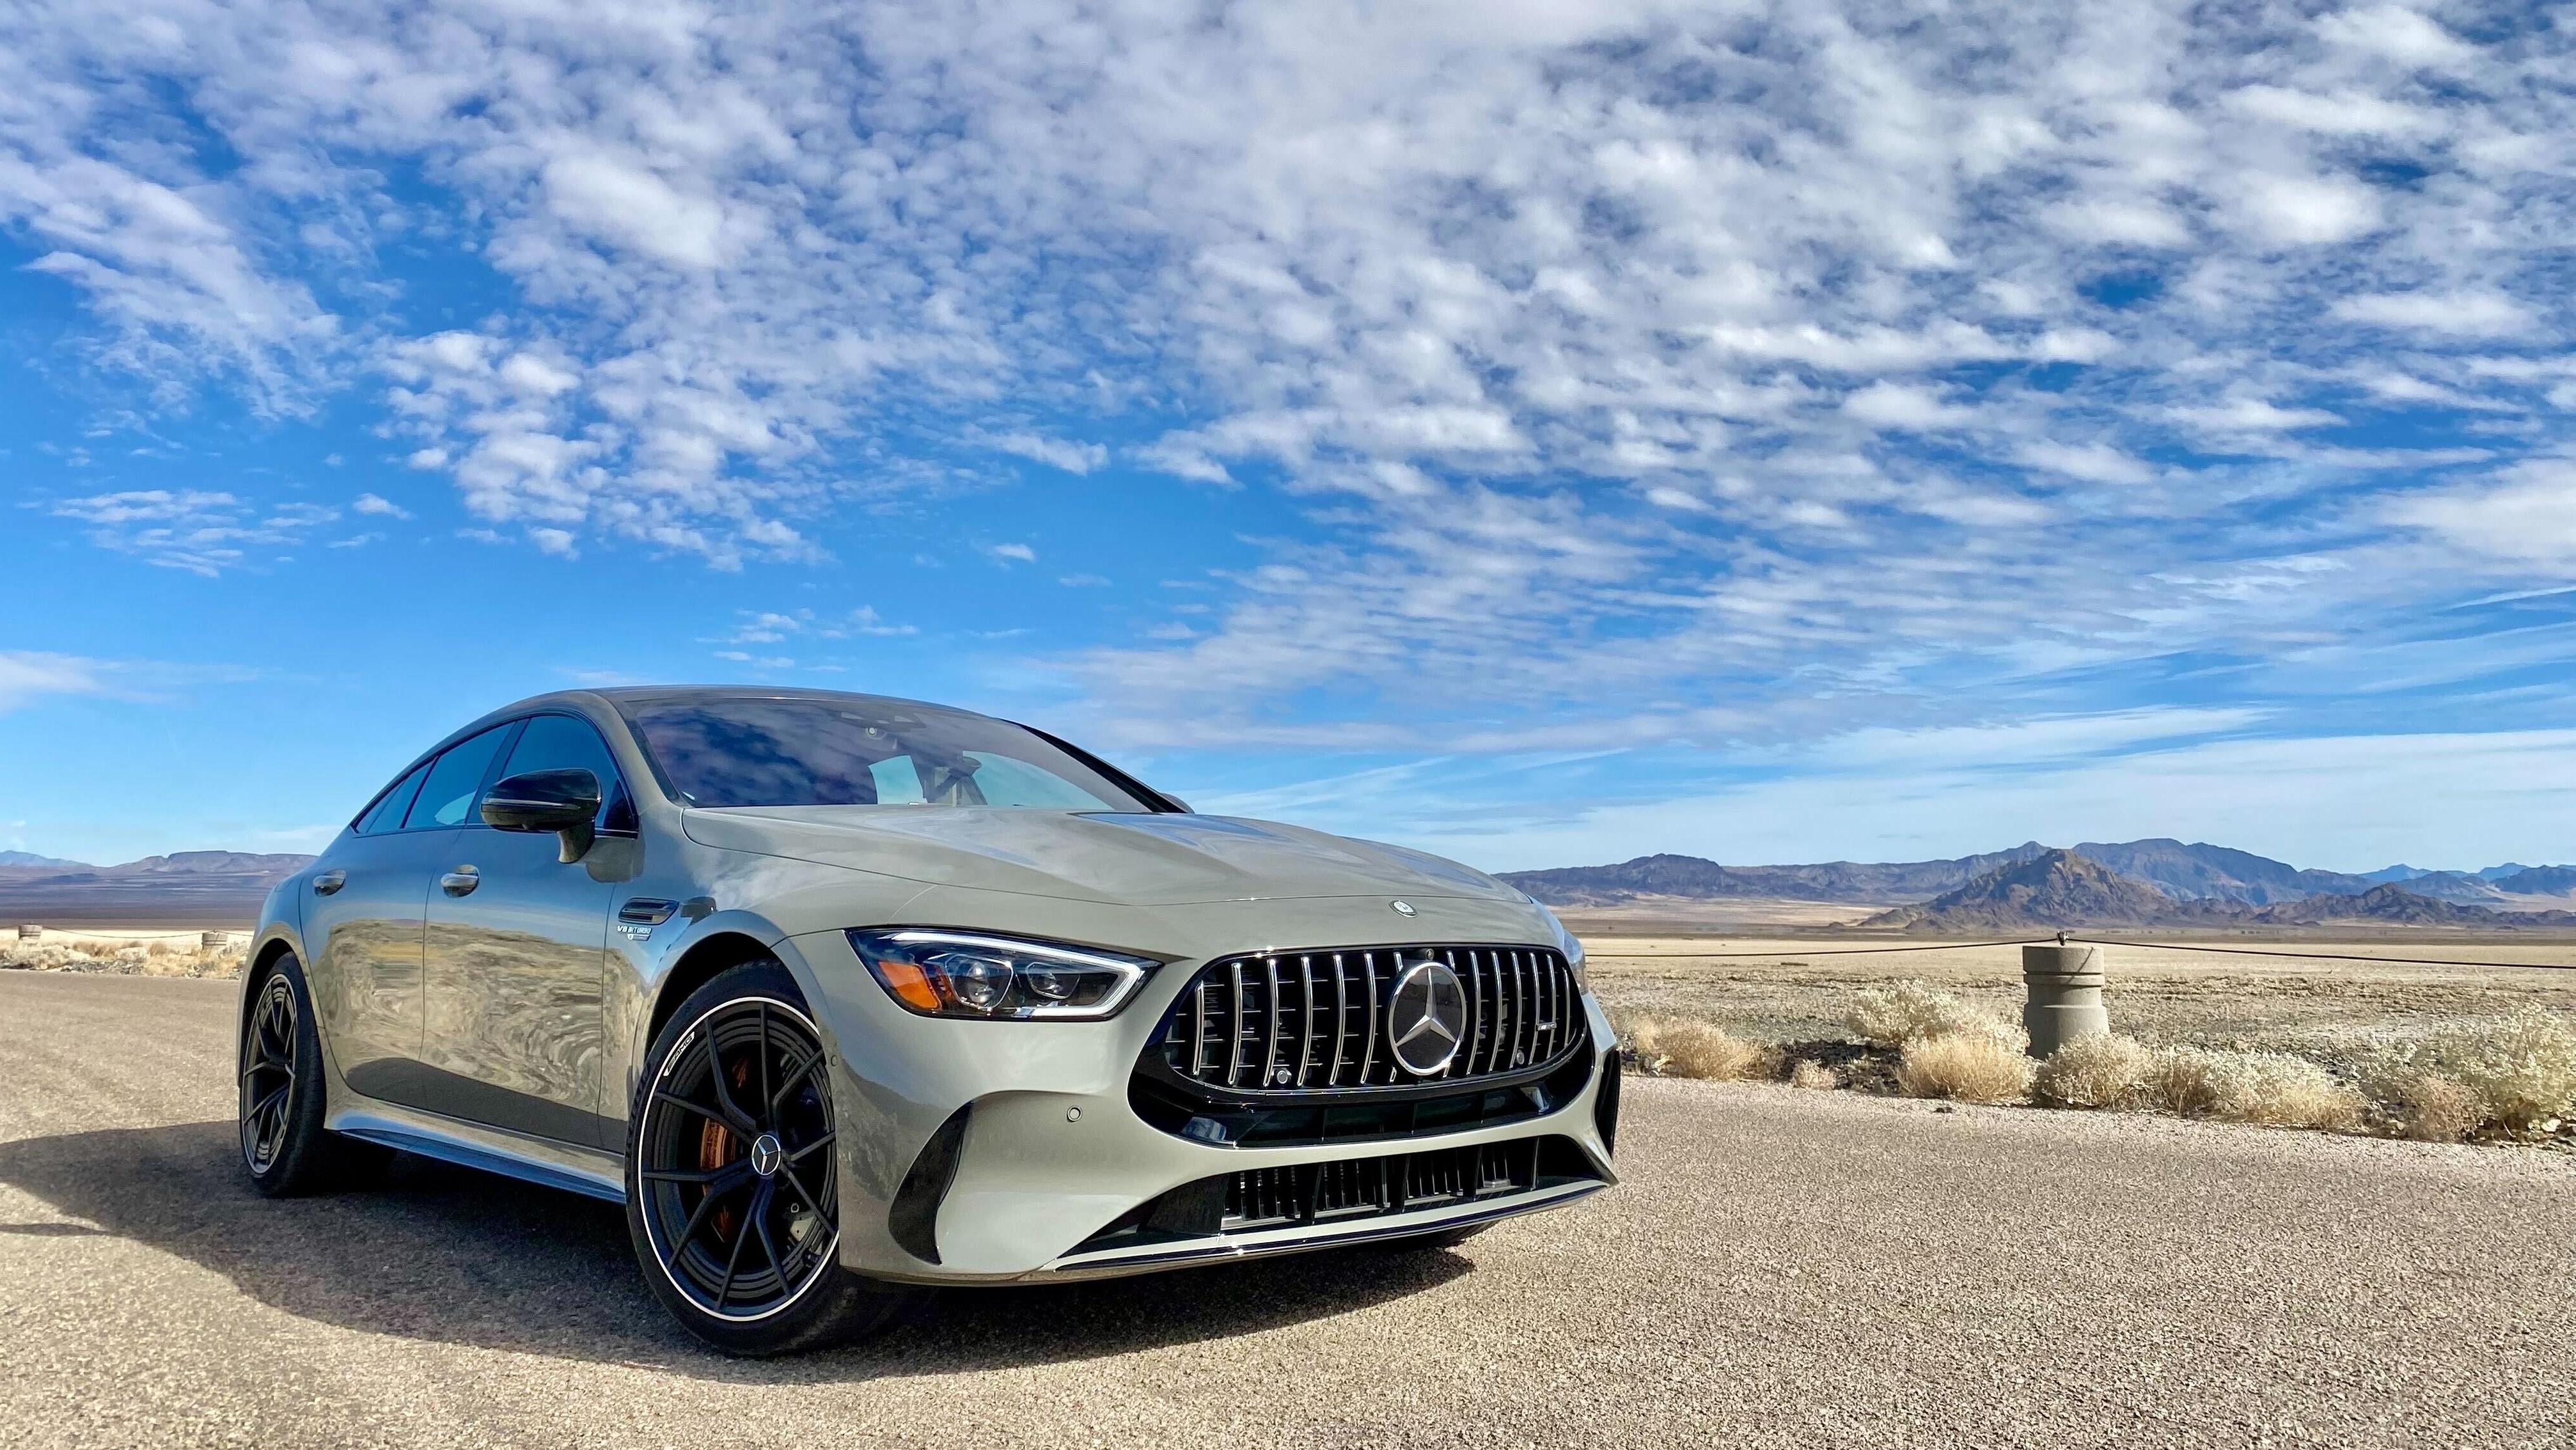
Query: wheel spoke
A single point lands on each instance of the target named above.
(769, 1109)
(823, 1142)
(701, 1109)
(734, 1116)
(788, 1175)
(732, 1262)
(264, 1104)
(717, 1180)
(760, 1225)
(706, 1206)
(788, 1084)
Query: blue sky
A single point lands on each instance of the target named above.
(1537, 433)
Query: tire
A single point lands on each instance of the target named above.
(284, 1146)
(730, 1154)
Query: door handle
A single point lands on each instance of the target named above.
(329, 881)
(461, 881)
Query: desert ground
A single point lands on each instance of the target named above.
(1778, 1268)
(1796, 988)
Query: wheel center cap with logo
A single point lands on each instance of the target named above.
(1426, 1018)
(767, 1153)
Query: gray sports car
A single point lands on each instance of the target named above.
(844, 996)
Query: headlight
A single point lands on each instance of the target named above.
(940, 973)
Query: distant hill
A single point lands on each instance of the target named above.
(2203, 872)
(2398, 904)
(30, 858)
(2055, 889)
(185, 887)
(2181, 872)
(2067, 889)
(2538, 881)
(1695, 878)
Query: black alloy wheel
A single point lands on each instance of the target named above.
(268, 1073)
(283, 1143)
(732, 1181)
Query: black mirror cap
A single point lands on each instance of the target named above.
(565, 802)
(542, 800)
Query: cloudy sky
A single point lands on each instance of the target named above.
(1538, 432)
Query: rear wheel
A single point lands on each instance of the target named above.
(732, 1188)
(283, 1143)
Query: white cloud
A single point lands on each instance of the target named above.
(1074, 458)
(1012, 553)
(1615, 359)
(197, 531)
(26, 676)
(368, 503)
(2529, 516)
(2461, 314)
(2091, 462)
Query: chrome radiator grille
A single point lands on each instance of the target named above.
(1287, 1021)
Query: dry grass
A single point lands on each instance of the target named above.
(1808, 1073)
(1967, 1067)
(1905, 1013)
(1682, 1047)
(128, 958)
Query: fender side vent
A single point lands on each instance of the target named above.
(914, 1219)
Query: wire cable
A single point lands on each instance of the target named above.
(2066, 939)
(2167, 946)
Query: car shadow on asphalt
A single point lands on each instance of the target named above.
(452, 1255)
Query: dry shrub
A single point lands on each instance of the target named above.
(123, 958)
(1806, 1072)
(2436, 1110)
(1968, 1067)
(2516, 1076)
(1681, 1047)
(2097, 1070)
(2269, 1088)
(1910, 1012)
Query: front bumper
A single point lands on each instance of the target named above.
(1052, 1152)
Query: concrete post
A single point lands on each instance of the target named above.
(2065, 984)
(30, 932)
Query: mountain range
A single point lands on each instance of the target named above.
(209, 888)
(2158, 881)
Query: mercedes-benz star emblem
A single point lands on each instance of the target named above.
(766, 1154)
(1425, 1018)
(1402, 908)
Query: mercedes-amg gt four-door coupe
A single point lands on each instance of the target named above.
(845, 996)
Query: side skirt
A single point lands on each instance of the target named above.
(574, 1170)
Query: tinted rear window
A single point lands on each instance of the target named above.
(861, 752)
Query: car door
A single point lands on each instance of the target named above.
(362, 927)
(516, 945)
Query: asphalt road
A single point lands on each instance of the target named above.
(1780, 1268)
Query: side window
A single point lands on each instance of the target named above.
(560, 742)
(387, 813)
(456, 781)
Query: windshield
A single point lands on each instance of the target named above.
(855, 751)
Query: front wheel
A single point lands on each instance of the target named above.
(283, 1143)
(732, 1191)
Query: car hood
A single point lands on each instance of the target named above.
(1138, 860)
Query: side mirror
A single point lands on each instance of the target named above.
(565, 802)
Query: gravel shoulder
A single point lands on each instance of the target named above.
(1780, 1268)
